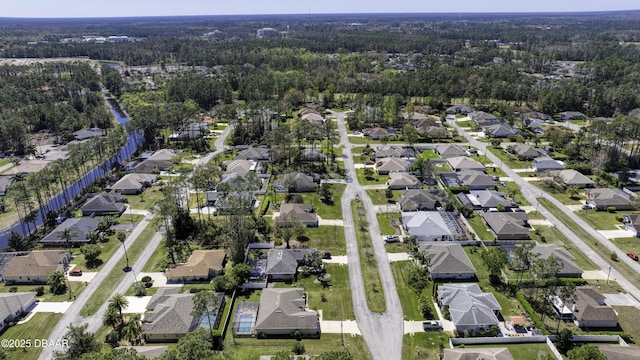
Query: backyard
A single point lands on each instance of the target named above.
(480, 228)
(334, 299)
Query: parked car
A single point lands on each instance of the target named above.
(585, 207)
(432, 325)
(391, 239)
(634, 256)
(75, 272)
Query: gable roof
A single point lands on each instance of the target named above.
(478, 354)
(240, 167)
(134, 181)
(78, 226)
(200, 264)
(468, 305)
(507, 223)
(170, 313)
(483, 117)
(392, 165)
(475, 178)
(389, 151)
(403, 179)
(500, 130)
(285, 261)
(303, 212)
(36, 263)
(450, 150)
(253, 153)
(11, 303)
(447, 258)
(573, 177)
(547, 163)
(104, 203)
(525, 150)
(84, 134)
(284, 309)
(464, 162)
(487, 198)
(411, 198)
(300, 180)
(160, 159)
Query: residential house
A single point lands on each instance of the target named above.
(633, 224)
(389, 151)
(12, 305)
(500, 130)
(572, 177)
(201, 266)
(523, 151)
(478, 354)
(190, 131)
(484, 199)
(147, 351)
(432, 226)
(483, 119)
(508, 225)
(459, 163)
(300, 182)
(314, 119)
(459, 109)
(403, 180)
(312, 155)
(169, 315)
(85, 134)
(160, 160)
(434, 132)
(416, 200)
(590, 310)
(255, 153)
(414, 116)
(449, 150)
(617, 352)
(389, 165)
(542, 164)
(475, 180)
(569, 267)
(302, 212)
(104, 204)
(79, 228)
(529, 117)
(211, 197)
(35, 267)
(469, 308)
(132, 184)
(234, 202)
(571, 115)
(602, 198)
(284, 312)
(378, 133)
(282, 264)
(240, 167)
(448, 261)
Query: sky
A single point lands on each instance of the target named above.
(120, 8)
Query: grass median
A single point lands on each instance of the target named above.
(113, 279)
(630, 274)
(368, 264)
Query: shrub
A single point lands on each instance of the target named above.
(39, 290)
(611, 209)
(619, 218)
(614, 256)
(298, 348)
(532, 314)
(147, 279)
(13, 289)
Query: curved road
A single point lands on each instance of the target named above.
(531, 193)
(381, 332)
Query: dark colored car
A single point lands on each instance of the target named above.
(75, 272)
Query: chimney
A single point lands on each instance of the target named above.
(574, 308)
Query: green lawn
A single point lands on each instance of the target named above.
(429, 154)
(378, 196)
(466, 124)
(156, 260)
(326, 238)
(108, 285)
(628, 320)
(368, 140)
(375, 178)
(631, 274)
(131, 291)
(408, 297)
(369, 265)
(384, 221)
(628, 244)
(326, 211)
(335, 300)
(39, 327)
(561, 195)
(515, 190)
(533, 351)
(76, 289)
(442, 167)
(509, 159)
(480, 228)
(425, 345)
(603, 220)
(147, 200)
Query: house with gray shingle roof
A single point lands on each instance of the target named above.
(508, 225)
(484, 199)
(460, 163)
(572, 177)
(602, 198)
(617, 352)
(85, 134)
(403, 180)
(449, 150)
(432, 226)
(590, 309)
(299, 182)
(104, 204)
(282, 264)
(569, 267)
(523, 151)
(4, 182)
(312, 155)
(543, 164)
(483, 119)
(447, 261)
(378, 133)
(254, 153)
(414, 200)
(240, 167)
(159, 160)
(389, 165)
(12, 305)
(79, 227)
(132, 184)
(470, 308)
(283, 312)
(459, 109)
(500, 130)
(478, 354)
(302, 212)
(35, 267)
(571, 115)
(389, 151)
(475, 180)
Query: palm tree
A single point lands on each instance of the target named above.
(122, 237)
(119, 302)
(111, 318)
(66, 235)
(573, 191)
(132, 332)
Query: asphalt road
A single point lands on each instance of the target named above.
(382, 332)
(530, 192)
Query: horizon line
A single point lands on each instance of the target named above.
(583, 12)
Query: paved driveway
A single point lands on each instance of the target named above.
(403, 256)
(612, 234)
(137, 304)
(621, 299)
(159, 280)
(52, 307)
(340, 259)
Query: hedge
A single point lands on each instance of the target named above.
(532, 314)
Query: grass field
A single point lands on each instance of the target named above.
(76, 289)
(375, 178)
(156, 260)
(109, 284)
(509, 159)
(553, 236)
(521, 351)
(147, 200)
(429, 154)
(326, 238)
(327, 211)
(378, 196)
(480, 228)
(421, 346)
(335, 299)
(628, 244)
(603, 220)
(384, 221)
(408, 297)
(39, 327)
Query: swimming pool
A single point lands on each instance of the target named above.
(244, 323)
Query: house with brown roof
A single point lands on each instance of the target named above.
(159, 160)
(590, 310)
(572, 177)
(508, 225)
(302, 212)
(403, 180)
(201, 266)
(389, 165)
(79, 228)
(284, 312)
(12, 305)
(132, 184)
(415, 200)
(35, 267)
(378, 133)
(459, 163)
